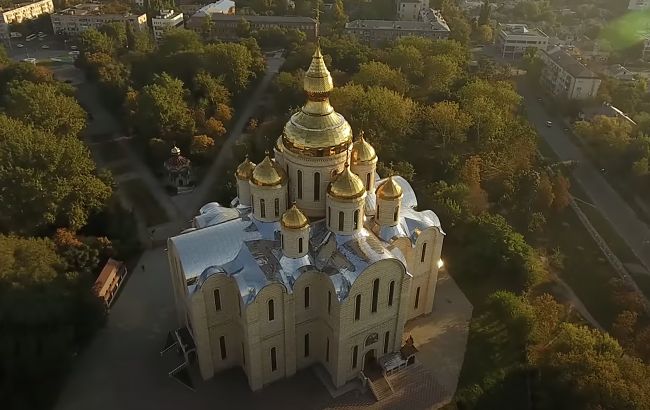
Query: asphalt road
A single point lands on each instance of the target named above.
(622, 218)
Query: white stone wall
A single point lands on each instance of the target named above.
(348, 208)
(244, 191)
(291, 240)
(268, 194)
(366, 171)
(387, 209)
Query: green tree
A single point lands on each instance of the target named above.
(232, 61)
(243, 28)
(179, 40)
(484, 15)
(445, 124)
(288, 90)
(44, 106)
(483, 34)
(161, 110)
(46, 180)
(117, 32)
(23, 72)
(209, 92)
(381, 75)
(202, 146)
(93, 41)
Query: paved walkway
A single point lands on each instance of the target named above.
(622, 218)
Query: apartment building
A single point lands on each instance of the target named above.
(224, 26)
(514, 39)
(166, 20)
(431, 25)
(639, 5)
(565, 77)
(20, 12)
(409, 10)
(79, 18)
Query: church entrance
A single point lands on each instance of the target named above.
(369, 360)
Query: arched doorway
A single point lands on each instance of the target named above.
(369, 359)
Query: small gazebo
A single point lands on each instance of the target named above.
(179, 172)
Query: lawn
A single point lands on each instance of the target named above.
(146, 205)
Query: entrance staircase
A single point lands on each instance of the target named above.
(379, 385)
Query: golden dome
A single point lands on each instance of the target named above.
(362, 151)
(245, 169)
(389, 189)
(317, 78)
(293, 218)
(317, 130)
(347, 185)
(268, 173)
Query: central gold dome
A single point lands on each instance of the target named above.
(317, 130)
(347, 185)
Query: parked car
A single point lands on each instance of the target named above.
(74, 48)
(45, 46)
(19, 45)
(549, 124)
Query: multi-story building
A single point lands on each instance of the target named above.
(639, 5)
(566, 77)
(317, 260)
(166, 20)
(409, 10)
(645, 53)
(219, 7)
(79, 18)
(20, 12)
(224, 26)
(514, 39)
(431, 25)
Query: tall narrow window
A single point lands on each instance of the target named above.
(375, 294)
(357, 307)
(417, 297)
(252, 203)
(391, 291)
(222, 346)
(424, 252)
(299, 173)
(355, 351)
(341, 220)
(299, 245)
(243, 355)
(327, 350)
(217, 300)
(274, 361)
(368, 181)
(396, 214)
(386, 339)
(329, 302)
(262, 209)
(306, 344)
(306, 297)
(281, 240)
(239, 307)
(277, 207)
(329, 216)
(317, 186)
(356, 219)
(271, 310)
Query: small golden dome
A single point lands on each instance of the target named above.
(268, 173)
(362, 151)
(389, 189)
(245, 169)
(293, 218)
(317, 78)
(347, 185)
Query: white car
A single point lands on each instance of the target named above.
(549, 124)
(19, 45)
(45, 46)
(73, 53)
(30, 60)
(74, 48)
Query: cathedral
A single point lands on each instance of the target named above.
(317, 261)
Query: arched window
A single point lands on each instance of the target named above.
(327, 350)
(368, 181)
(217, 300)
(306, 344)
(329, 216)
(262, 209)
(391, 291)
(282, 241)
(357, 307)
(424, 252)
(252, 203)
(306, 297)
(396, 214)
(274, 360)
(299, 173)
(417, 297)
(277, 207)
(375, 294)
(271, 310)
(329, 302)
(356, 219)
(341, 220)
(299, 245)
(355, 352)
(317, 186)
(386, 340)
(222, 347)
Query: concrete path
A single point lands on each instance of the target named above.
(622, 218)
(190, 203)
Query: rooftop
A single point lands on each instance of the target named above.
(399, 25)
(88, 9)
(570, 64)
(218, 16)
(521, 30)
(18, 5)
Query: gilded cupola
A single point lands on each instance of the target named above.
(389, 189)
(245, 169)
(362, 151)
(347, 185)
(317, 130)
(294, 218)
(268, 173)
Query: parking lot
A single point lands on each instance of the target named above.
(41, 49)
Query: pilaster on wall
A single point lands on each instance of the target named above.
(254, 347)
(403, 312)
(289, 335)
(433, 275)
(201, 334)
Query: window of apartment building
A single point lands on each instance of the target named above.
(306, 344)
(222, 347)
(357, 307)
(375, 294)
(417, 297)
(217, 300)
(306, 297)
(274, 360)
(271, 310)
(355, 352)
(391, 291)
